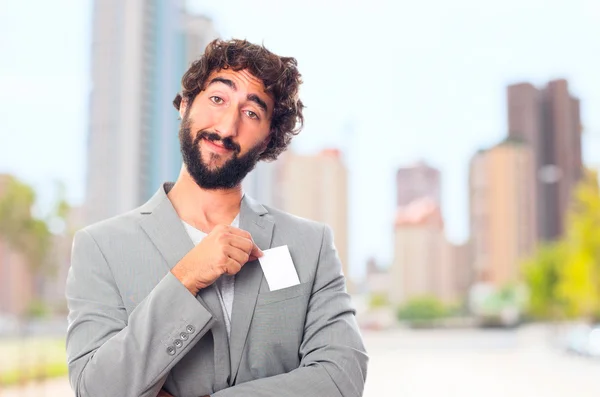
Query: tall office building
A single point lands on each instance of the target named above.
(262, 182)
(421, 265)
(316, 187)
(416, 182)
(502, 212)
(141, 48)
(461, 269)
(548, 120)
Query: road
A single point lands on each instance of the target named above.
(465, 363)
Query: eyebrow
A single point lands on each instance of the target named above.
(251, 97)
(256, 99)
(227, 82)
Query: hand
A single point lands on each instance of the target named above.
(223, 251)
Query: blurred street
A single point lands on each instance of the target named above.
(53, 388)
(469, 362)
(475, 362)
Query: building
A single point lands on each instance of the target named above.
(378, 281)
(316, 187)
(140, 51)
(52, 290)
(548, 119)
(262, 182)
(416, 182)
(462, 275)
(17, 281)
(502, 211)
(421, 265)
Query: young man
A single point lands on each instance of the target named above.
(170, 299)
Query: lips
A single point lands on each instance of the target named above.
(216, 147)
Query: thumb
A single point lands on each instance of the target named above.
(256, 252)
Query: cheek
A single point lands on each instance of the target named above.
(201, 119)
(252, 137)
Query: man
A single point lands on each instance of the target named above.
(170, 299)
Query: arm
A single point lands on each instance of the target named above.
(111, 354)
(333, 358)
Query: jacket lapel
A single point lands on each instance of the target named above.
(254, 219)
(163, 226)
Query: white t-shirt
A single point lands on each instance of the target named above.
(226, 283)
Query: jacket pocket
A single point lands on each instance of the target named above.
(283, 294)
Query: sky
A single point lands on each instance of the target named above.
(388, 82)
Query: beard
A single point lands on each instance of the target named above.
(228, 175)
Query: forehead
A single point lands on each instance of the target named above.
(243, 79)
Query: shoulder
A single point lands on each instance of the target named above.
(301, 225)
(114, 228)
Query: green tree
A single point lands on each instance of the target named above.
(579, 280)
(19, 228)
(541, 275)
(564, 277)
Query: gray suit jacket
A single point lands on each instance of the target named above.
(134, 328)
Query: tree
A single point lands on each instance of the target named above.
(19, 228)
(579, 281)
(542, 274)
(564, 277)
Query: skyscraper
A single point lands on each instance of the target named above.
(316, 187)
(416, 182)
(549, 121)
(262, 182)
(140, 51)
(502, 217)
(421, 265)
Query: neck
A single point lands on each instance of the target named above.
(204, 208)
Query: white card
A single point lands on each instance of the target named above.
(278, 268)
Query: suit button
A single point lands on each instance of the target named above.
(184, 336)
(178, 343)
(171, 351)
(190, 329)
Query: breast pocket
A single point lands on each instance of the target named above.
(277, 329)
(283, 294)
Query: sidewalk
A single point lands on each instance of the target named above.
(52, 388)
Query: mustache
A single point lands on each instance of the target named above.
(227, 142)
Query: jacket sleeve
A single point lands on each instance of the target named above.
(333, 357)
(112, 354)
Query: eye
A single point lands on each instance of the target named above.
(216, 99)
(252, 115)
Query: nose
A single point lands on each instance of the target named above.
(227, 124)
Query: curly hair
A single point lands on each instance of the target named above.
(279, 75)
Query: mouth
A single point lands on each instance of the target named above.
(216, 146)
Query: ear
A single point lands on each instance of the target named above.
(183, 107)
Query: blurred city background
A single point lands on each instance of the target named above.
(454, 148)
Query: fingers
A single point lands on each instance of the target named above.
(238, 232)
(232, 267)
(256, 252)
(246, 245)
(238, 255)
(243, 240)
